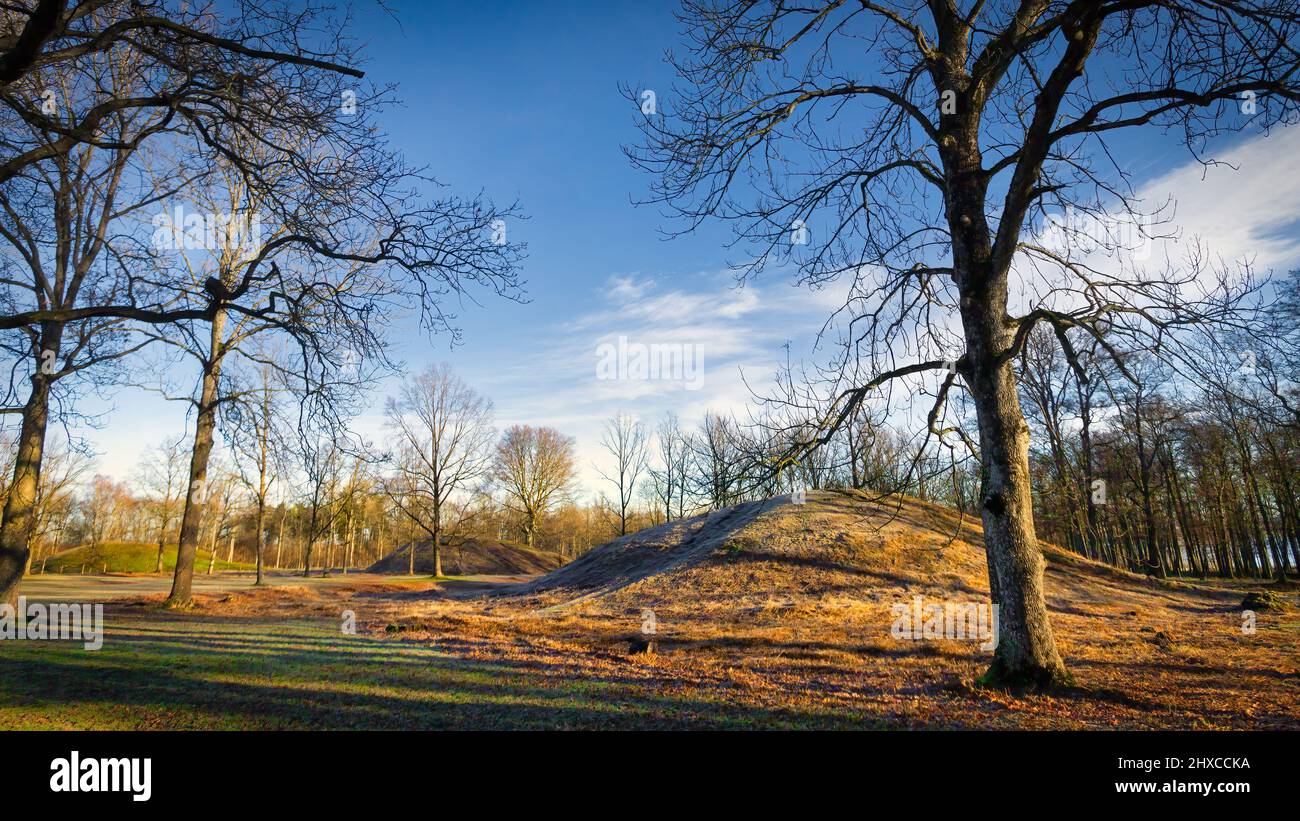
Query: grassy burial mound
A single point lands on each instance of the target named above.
(831, 544)
(125, 557)
(470, 557)
(831, 602)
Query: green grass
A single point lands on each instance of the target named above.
(162, 670)
(126, 557)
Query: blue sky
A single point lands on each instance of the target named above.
(521, 100)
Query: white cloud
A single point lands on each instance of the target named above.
(1243, 208)
(735, 329)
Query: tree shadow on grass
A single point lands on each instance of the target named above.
(178, 680)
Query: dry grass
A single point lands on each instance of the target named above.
(788, 607)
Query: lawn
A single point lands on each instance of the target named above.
(127, 557)
(185, 671)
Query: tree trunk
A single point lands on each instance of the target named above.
(437, 538)
(437, 542)
(1155, 566)
(20, 505)
(279, 538)
(212, 546)
(1026, 654)
(351, 544)
(261, 538)
(192, 518)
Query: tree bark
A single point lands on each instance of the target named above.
(437, 538)
(279, 538)
(261, 538)
(1026, 654)
(20, 506)
(437, 550)
(212, 547)
(192, 518)
(24, 487)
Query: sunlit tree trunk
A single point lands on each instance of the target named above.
(24, 487)
(204, 429)
(1026, 653)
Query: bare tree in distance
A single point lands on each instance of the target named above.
(673, 458)
(219, 499)
(257, 437)
(65, 465)
(535, 469)
(162, 474)
(967, 125)
(322, 452)
(443, 437)
(624, 439)
(721, 466)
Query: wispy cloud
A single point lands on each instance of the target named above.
(738, 334)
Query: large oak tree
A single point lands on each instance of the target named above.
(911, 147)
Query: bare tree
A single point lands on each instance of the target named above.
(624, 439)
(443, 431)
(64, 466)
(322, 456)
(535, 468)
(57, 230)
(719, 463)
(673, 457)
(212, 75)
(257, 437)
(341, 246)
(927, 215)
(187, 76)
(162, 474)
(219, 498)
(267, 98)
(103, 508)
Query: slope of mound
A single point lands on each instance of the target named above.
(833, 601)
(126, 557)
(470, 557)
(830, 545)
